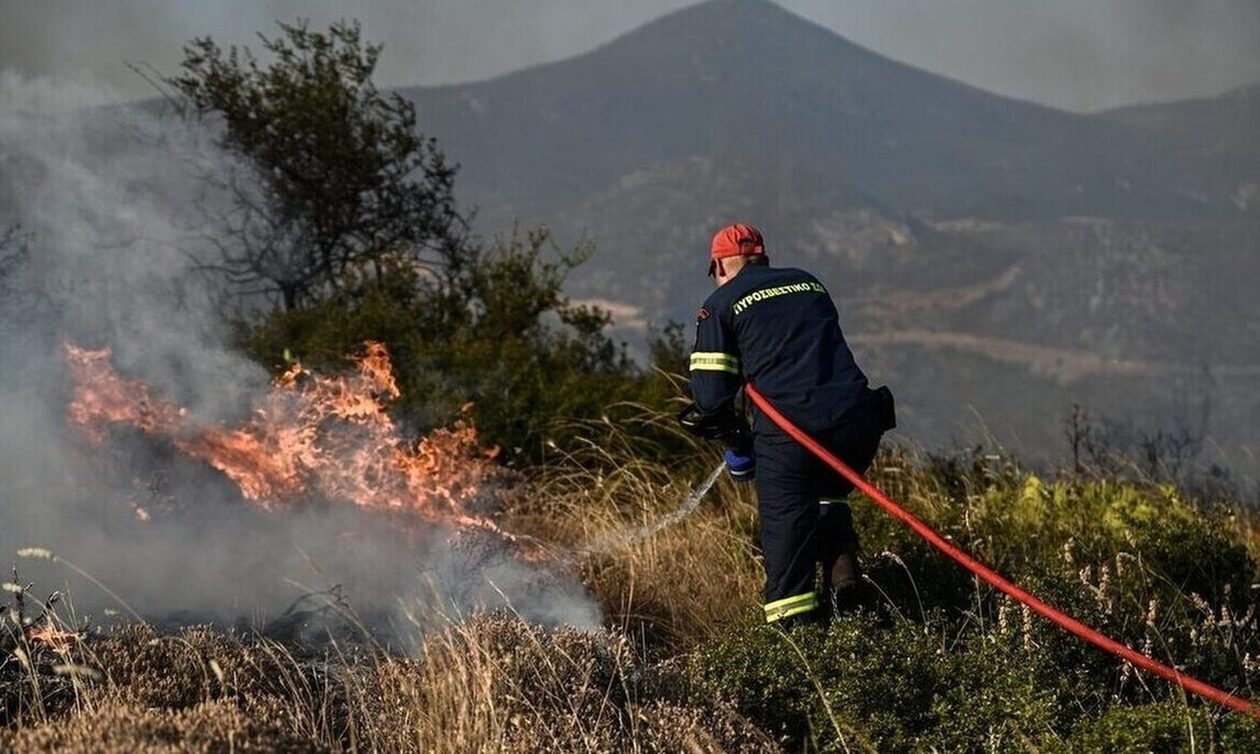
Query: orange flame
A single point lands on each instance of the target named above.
(113, 399)
(328, 436)
(50, 635)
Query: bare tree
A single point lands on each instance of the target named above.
(1077, 427)
(1170, 453)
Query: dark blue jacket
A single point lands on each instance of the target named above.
(777, 328)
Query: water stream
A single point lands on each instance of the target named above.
(632, 535)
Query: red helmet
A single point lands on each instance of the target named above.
(737, 240)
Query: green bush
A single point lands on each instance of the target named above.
(904, 688)
(957, 667)
(1166, 727)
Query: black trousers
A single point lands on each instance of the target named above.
(805, 518)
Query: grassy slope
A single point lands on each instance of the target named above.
(940, 666)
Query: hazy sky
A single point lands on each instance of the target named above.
(1077, 54)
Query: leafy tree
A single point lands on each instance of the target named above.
(342, 178)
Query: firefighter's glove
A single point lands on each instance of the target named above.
(726, 425)
(741, 464)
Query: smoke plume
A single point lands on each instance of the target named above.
(113, 202)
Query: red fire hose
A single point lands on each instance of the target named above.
(1045, 610)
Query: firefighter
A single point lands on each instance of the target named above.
(777, 328)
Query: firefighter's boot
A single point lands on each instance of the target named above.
(844, 576)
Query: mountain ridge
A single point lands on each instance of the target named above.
(783, 87)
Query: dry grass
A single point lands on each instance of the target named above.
(500, 685)
(680, 586)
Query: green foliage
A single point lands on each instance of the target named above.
(1163, 728)
(342, 178)
(904, 688)
(501, 336)
(668, 350)
(954, 667)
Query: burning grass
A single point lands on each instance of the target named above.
(328, 436)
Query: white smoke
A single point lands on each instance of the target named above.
(114, 201)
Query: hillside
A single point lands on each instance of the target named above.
(1216, 136)
(423, 501)
(982, 248)
(1207, 125)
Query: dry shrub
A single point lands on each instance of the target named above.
(669, 727)
(121, 724)
(172, 671)
(942, 665)
(137, 668)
